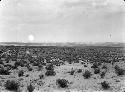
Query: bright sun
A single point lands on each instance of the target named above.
(31, 37)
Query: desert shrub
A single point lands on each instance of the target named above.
(104, 67)
(18, 63)
(4, 71)
(35, 63)
(29, 68)
(96, 71)
(27, 75)
(82, 63)
(1, 62)
(30, 88)
(50, 73)
(41, 76)
(62, 83)
(72, 72)
(87, 74)
(1, 66)
(11, 85)
(119, 71)
(49, 67)
(105, 85)
(95, 65)
(85, 65)
(8, 66)
(40, 67)
(21, 73)
(102, 74)
(79, 70)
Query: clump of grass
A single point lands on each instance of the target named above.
(87, 74)
(105, 85)
(62, 83)
(30, 88)
(11, 85)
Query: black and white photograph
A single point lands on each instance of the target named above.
(62, 46)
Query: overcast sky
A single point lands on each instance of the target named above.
(62, 20)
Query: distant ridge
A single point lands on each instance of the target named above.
(111, 44)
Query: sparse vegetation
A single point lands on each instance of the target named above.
(11, 85)
(53, 59)
(87, 74)
(62, 83)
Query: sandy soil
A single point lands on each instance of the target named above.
(77, 83)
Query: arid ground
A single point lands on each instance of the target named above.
(62, 69)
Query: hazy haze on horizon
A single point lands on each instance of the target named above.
(62, 21)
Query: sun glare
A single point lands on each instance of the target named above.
(31, 38)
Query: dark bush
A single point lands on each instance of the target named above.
(95, 65)
(29, 68)
(87, 74)
(119, 71)
(50, 73)
(21, 73)
(79, 70)
(72, 72)
(62, 83)
(8, 66)
(40, 67)
(1, 62)
(41, 76)
(104, 67)
(96, 71)
(11, 85)
(30, 88)
(27, 75)
(4, 71)
(85, 65)
(18, 63)
(102, 74)
(49, 67)
(105, 85)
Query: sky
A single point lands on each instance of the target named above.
(62, 21)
